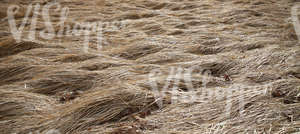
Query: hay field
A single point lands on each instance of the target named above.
(62, 85)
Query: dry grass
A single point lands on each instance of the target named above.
(56, 86)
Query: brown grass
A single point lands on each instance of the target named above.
(56, 85)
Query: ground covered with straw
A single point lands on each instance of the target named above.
(245, 56)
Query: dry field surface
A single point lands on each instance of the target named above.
(54, 84)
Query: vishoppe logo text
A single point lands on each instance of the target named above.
(295, 19)
(82, 29)
(202, 94)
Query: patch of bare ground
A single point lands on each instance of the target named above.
(248, 47)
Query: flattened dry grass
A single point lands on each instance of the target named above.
(252, 42)
(99, 108)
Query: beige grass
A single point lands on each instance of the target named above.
(252, 41)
